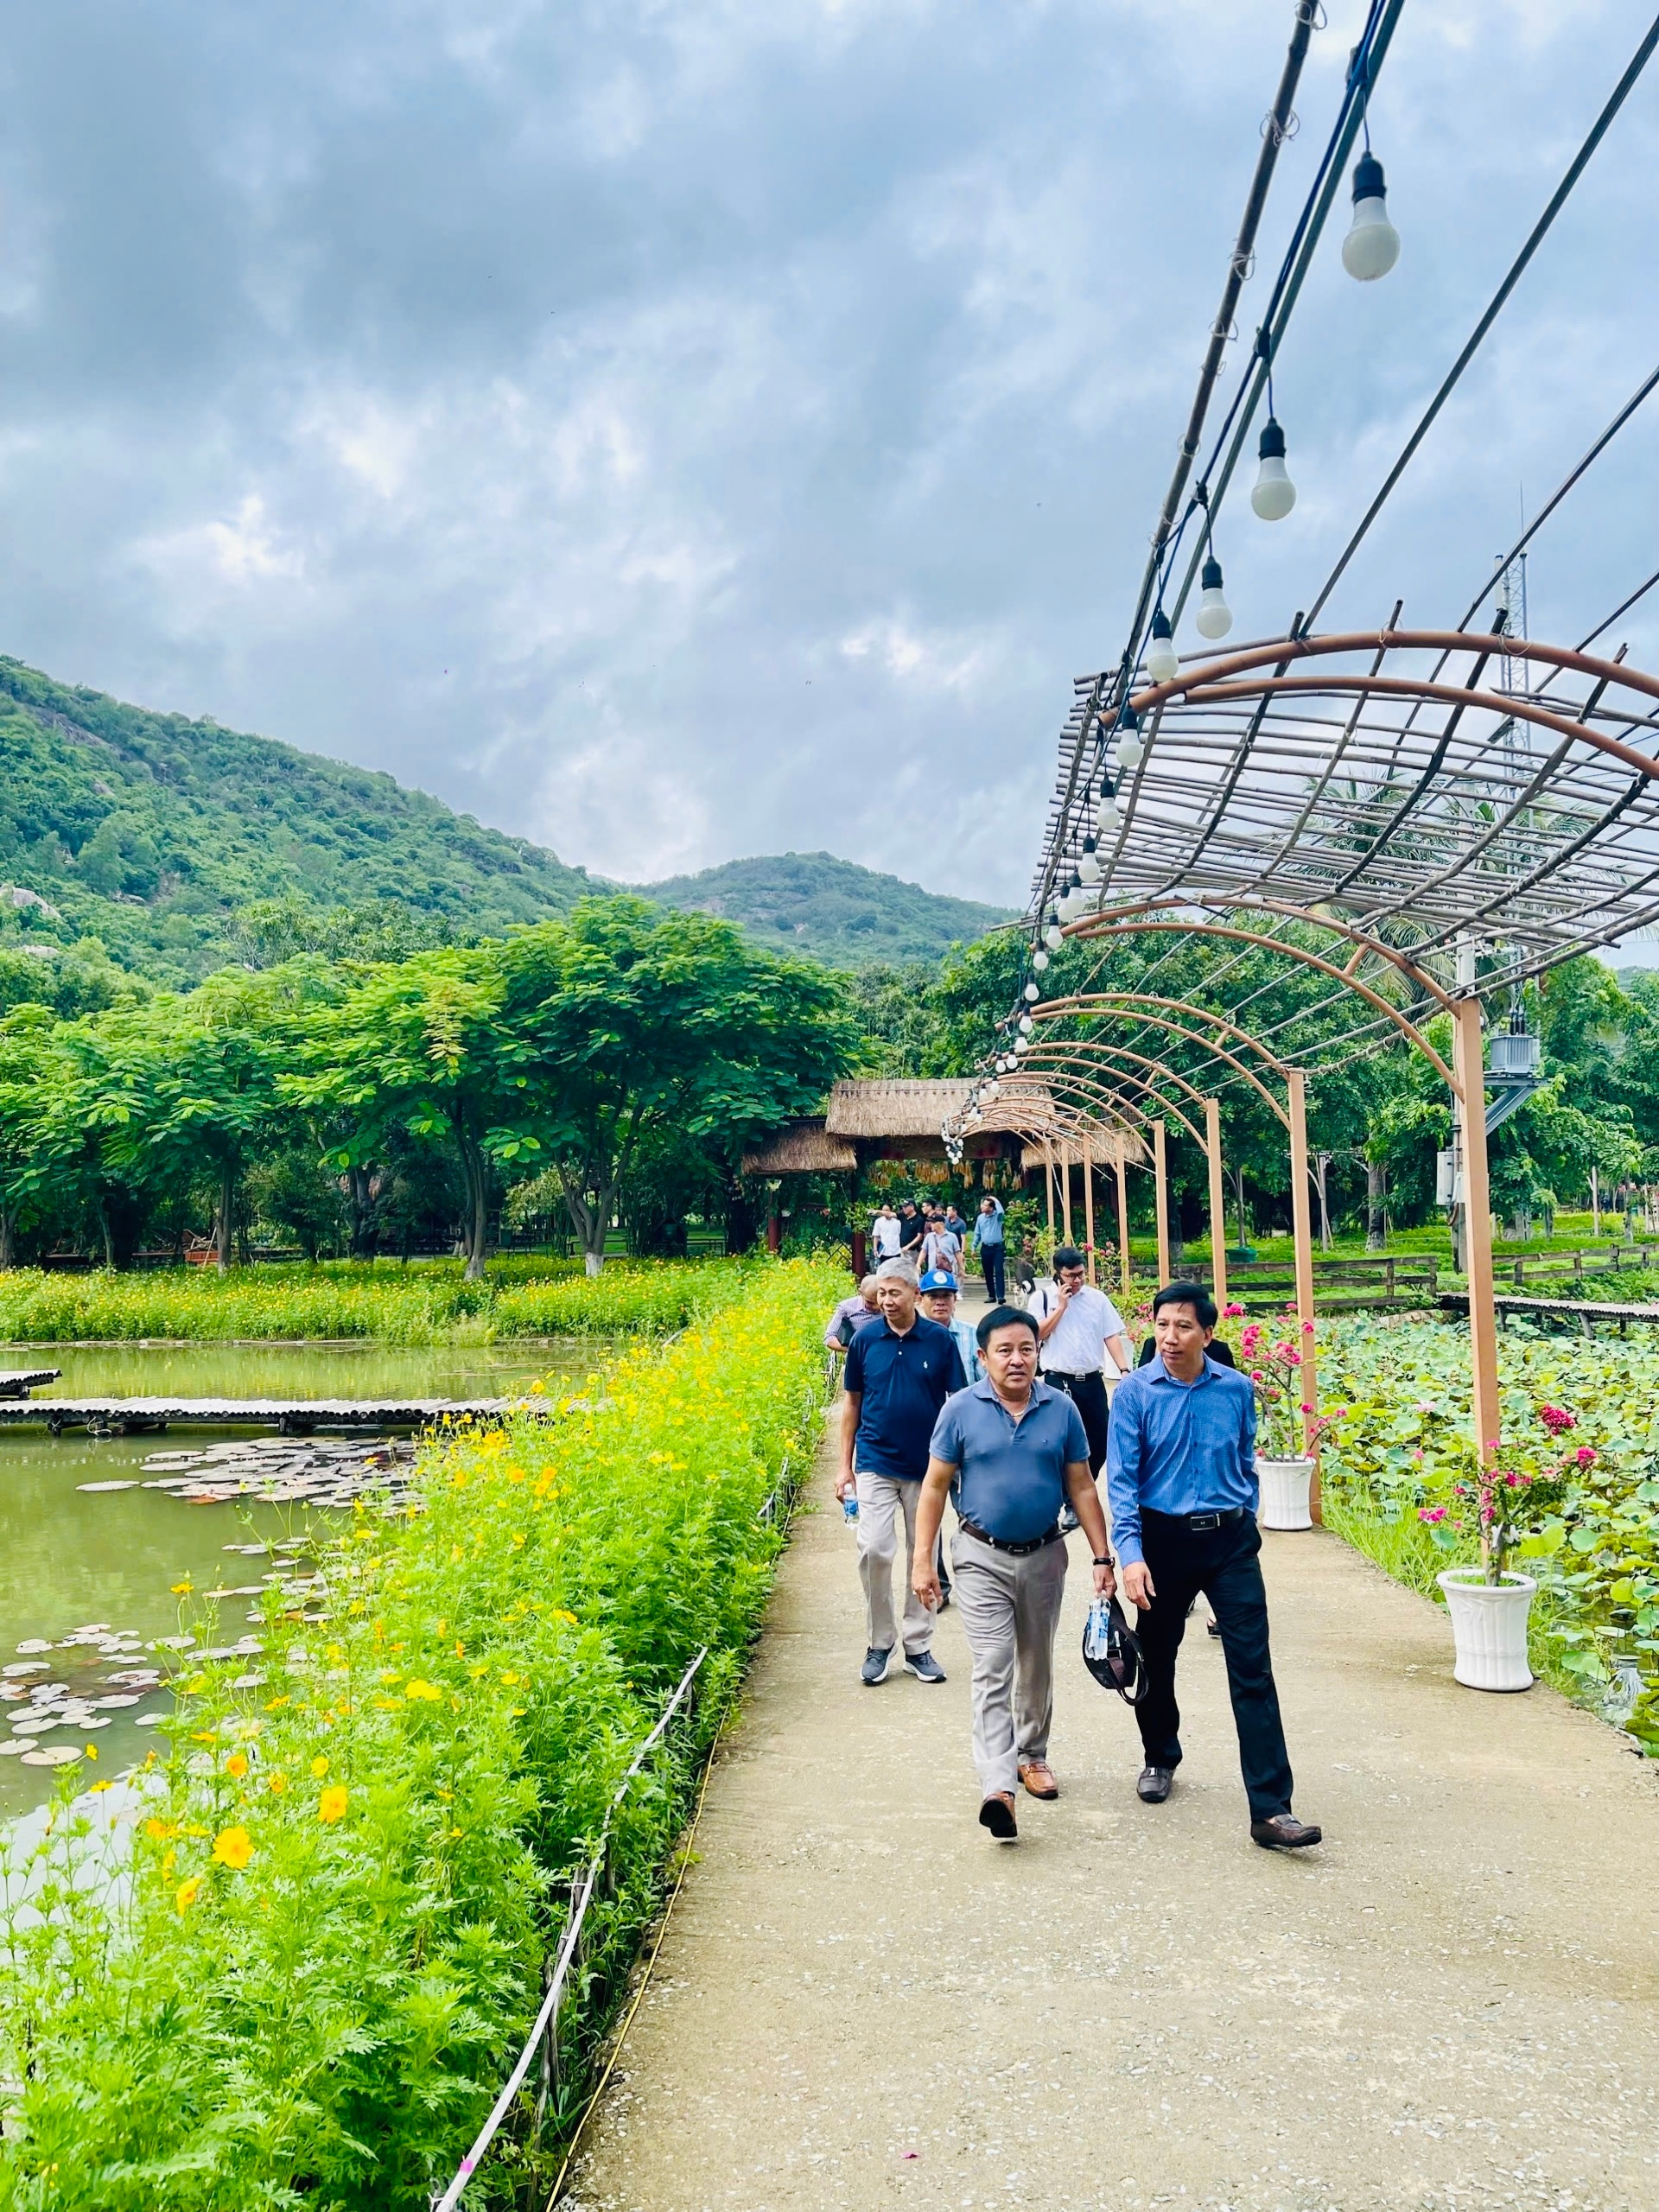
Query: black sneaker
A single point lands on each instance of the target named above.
(874, 1669)
(924, 1666)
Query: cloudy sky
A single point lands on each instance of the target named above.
(675, 429)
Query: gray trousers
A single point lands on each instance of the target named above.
(1010, 1611)
(885, 1502)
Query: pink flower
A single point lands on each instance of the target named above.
(1232, 1312)
(1256, 1375)
(1585, 1456)
(1307, 1328)
(1432, 1514)
(1556, 1418)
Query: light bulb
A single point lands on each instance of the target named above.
(1274, 494)
(1107, 817)
(1131, 751)
(1039, 959)
(1088, 867)
(1372, 246)
(1215, 616)
(1025, 1027)
(1053, 936)
(991, 1088)
(1162, 664)
(1020, 1045)
(1032, 992)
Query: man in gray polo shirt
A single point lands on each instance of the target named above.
(1013, 1450)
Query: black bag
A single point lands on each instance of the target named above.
(1111, 1652)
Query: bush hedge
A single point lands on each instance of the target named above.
(323, 1948)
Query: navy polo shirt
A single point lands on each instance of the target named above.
(903, 1382)
(1010, 1474)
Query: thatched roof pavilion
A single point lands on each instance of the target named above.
(887, 1117)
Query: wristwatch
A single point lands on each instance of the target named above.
(1102, 1562)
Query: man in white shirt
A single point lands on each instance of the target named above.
(884, 1232)
(1078, 1329)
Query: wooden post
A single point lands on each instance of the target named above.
(1048, 1188)
(1218, 1202)
(1469, 1062)
(1160, 1165)
(1301, 1219)
(1122, 1210)
(1089, 1203)
(1065, 1187)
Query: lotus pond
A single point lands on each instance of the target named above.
(74, 1561)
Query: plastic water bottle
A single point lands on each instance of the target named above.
(850, 1506)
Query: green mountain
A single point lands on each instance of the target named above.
(157, 835)
(848, 915)
(165, 848)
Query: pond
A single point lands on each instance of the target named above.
(99, 1567)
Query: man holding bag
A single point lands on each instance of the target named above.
(1014, 1451)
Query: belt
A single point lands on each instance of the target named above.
(1221, 1517)
(1063, 1374)
(1014, 1551)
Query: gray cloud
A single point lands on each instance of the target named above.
(680, 430)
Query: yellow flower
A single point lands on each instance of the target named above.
(159, 1831)
(276, 1783)
(181, 1590)
(236, 1764)
(185, 1896)
(570, 1617)
(170, 1860)
(92, 1751)
(232, 1847)
(331, 1806)
(319, 1767)
(423, 1693)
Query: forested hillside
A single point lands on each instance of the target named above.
(140, 845)
(812, 902)
(158, 835)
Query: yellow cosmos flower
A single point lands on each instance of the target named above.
(236, 1764)
(185, 1896)
(421, 1692)
(276, 1783)
(232, 1847)
(319, 1766)
(180, 1589)
(161, 1831)
(331, 1806)
(92, 1751)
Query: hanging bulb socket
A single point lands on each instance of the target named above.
(1130, 750)
(1215, 617)
(1162, 664)
(1088, 867)
(1372, 246)
(1273, 495)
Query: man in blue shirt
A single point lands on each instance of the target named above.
(1014, 1451)
(899, 1371)
(1180, 1476)
(988, 1242)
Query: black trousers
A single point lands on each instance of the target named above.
(1224, 1564)
(991, 1257)
(1088, 1393)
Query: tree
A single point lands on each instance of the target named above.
(631, 1033)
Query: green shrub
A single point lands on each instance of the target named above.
(292, 1996)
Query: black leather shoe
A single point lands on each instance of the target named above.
(1154, 1785)
(1284, 1832)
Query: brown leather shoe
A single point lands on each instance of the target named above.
(1284, 1832)
(996, 1814)
(1038, 1778)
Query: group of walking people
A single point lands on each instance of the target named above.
(1010, 1422)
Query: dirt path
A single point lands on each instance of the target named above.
(863, 2002)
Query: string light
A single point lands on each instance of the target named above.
(1032, 994)
(1130, 750)
(1372, 246)
(1162, 663)
(1215, 617)
(1039, 959)
(1273, 495)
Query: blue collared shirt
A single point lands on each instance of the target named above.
(1011, 1474)
(1178, 1447)
(987, 1229)
(901, 1383)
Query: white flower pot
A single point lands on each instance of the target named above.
(1284, 1484)
(1489, 1628)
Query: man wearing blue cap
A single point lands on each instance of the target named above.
(940, 1291)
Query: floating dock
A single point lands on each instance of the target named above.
(288, 1416)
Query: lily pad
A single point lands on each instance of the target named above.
(91, 1486)
(51, 1755)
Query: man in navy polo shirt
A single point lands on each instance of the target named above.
(1014, 1450)
(899, 1371)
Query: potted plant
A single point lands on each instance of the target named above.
(1284, 1428)
(1490, 1604)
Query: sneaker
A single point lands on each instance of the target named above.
(874, 1669)
(924, 1666)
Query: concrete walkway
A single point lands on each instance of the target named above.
(862, 2001)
